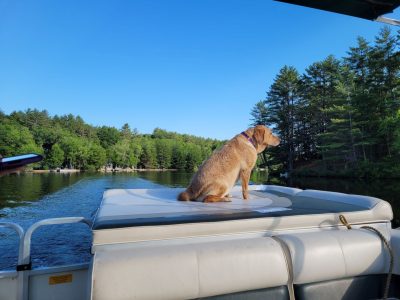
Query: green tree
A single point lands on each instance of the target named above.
(319, 88)
(97, 157)
(76, 152)
(283, 97)
(383, 82)
(148, 157)
(136, 151)
(126, 132)
(193, 157)
(55, 157)
(122, 154)
(164, 153)
(259, 113)
(396, 144)
(108, 136)
(16, 139)
(358, 62)
(178, 159)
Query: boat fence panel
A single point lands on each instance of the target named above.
(19, 284)
(8, 285)
(68, 283)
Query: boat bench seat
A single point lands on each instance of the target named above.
(326, 265)
(190, 271)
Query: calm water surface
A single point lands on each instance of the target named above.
(28, 198)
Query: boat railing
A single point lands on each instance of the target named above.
(24, 255)
(21, 233)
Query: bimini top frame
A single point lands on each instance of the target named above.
(366, 9)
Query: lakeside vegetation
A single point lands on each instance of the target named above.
(69, 142)
(341, 117)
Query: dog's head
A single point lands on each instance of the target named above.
(263, 137)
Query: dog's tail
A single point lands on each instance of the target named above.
(186, 195)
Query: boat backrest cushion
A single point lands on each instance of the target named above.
(334, 254)
(188, 271)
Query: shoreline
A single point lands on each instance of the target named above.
(107, 170)
(134, 170)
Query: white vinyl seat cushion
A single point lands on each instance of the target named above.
(215, 268)
(188, 271)
(335, 254)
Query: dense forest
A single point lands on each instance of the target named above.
(341, 117)
(68, 142)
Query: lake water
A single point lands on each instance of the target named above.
(28, 198)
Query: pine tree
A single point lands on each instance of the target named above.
(342, 134)
(384, 79)
(282, 101)
(259, 114)
(358, 62)
(319, 88)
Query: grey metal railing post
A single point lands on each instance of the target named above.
(21, 278)
(20, 232)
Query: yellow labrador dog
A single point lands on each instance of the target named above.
(218, 174)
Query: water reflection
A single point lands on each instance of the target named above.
(20, 189)
(168, 178)
(388, 190)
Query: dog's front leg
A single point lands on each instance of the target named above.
(245, 178)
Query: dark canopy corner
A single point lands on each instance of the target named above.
(365, 9)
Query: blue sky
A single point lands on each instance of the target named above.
(190, 66)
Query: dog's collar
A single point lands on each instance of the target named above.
(249, 139)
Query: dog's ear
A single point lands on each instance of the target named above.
(259, 134)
